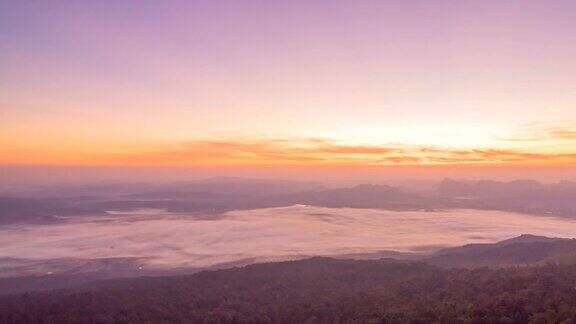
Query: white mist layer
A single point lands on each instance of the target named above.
(170, 241)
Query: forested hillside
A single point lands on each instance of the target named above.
(317, 290)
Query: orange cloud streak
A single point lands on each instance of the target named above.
(545, 132)
(279, 152)
(321, 152)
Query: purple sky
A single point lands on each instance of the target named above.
(85, 81)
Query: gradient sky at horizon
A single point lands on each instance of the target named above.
(287, 82)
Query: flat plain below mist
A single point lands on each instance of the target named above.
(161, 240)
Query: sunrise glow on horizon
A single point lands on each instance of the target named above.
(288, 83)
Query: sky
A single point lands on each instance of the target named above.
(322, 84)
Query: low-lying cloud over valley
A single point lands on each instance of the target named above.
(162, 240)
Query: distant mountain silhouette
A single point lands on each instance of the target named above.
(529, 238)
(519, 251)
(227, 187)
(527, 196)
(361, 196)
(487, 188)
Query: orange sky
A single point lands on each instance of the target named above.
(288, 83)
(286, 152)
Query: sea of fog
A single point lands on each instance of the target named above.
(165, 240)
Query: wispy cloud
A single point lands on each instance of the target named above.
(265, 151)
(544, 132)
(313, 151)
